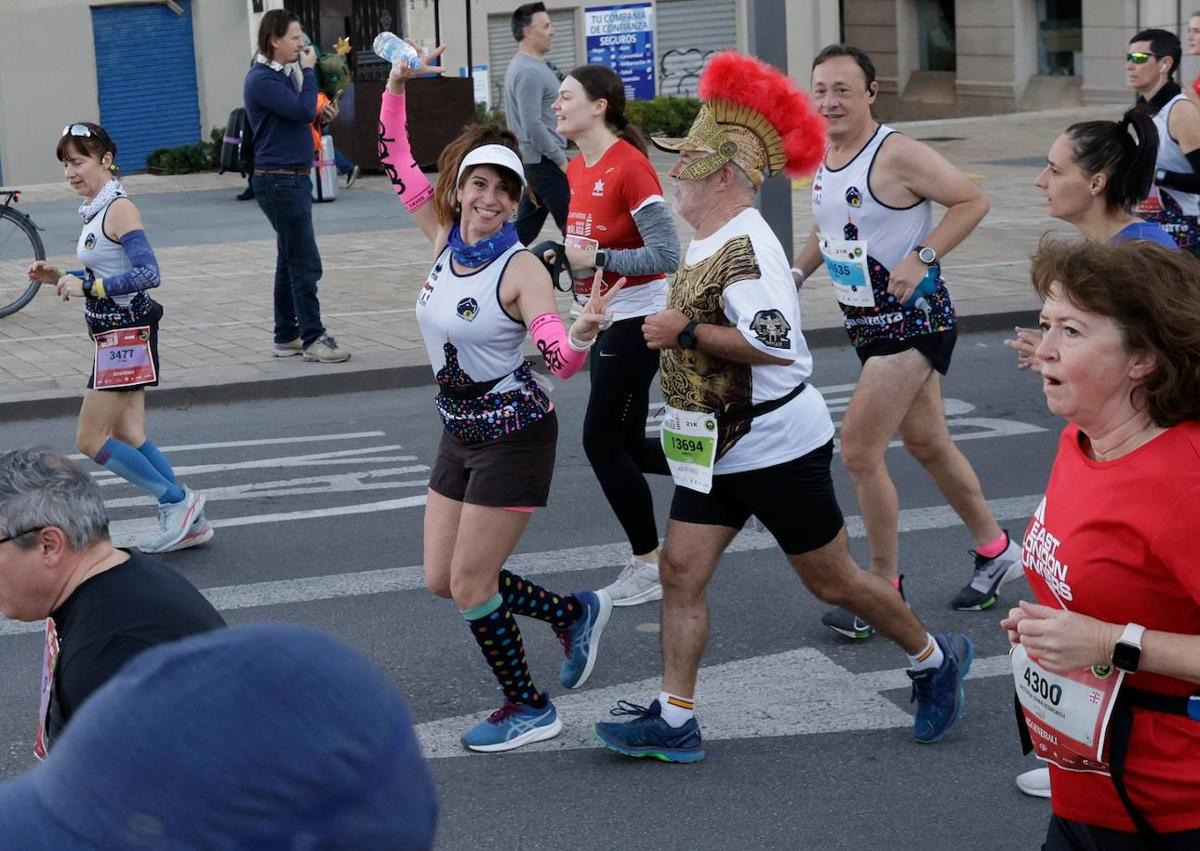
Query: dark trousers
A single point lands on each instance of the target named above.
(1064, 835)
(549, 186)
(287, 201)
(614, 429)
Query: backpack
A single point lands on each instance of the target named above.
(237, 146)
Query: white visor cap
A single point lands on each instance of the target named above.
(493, 155)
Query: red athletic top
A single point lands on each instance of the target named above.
(605, 196)
(1116, 540)
(1196, 84)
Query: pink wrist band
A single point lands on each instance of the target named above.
(550, 335)
(395, 153)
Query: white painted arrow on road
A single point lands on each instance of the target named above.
(797, 693)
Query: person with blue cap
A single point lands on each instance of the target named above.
(266, 736)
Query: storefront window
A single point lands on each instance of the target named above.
(935, 35)
(1060, 38)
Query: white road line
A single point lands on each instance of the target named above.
(270, 441)
(348, 482)
(368, 582)
(832, 700)
(318, 459)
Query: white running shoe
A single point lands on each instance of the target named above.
(637, 583)
(1035, 782)
(175, 522)
(199, 533)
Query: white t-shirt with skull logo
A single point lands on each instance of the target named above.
(767, 312)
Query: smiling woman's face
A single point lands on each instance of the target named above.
(485, 201)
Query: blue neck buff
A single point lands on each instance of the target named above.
(484, 251)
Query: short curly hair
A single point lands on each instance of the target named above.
(1153, 296)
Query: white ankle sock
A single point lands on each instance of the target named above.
(676, 710)
(931, 656)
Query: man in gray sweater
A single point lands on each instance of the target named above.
(530, 88)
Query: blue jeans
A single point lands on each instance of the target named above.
(287, 201)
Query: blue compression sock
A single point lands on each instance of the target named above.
(133, 467)
(159, 461)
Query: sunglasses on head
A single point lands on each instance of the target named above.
(1138, 58)
(77, 130)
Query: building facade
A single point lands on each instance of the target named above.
(163, 73)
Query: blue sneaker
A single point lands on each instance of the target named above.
(648, 735)
(581, 639)
(939, 692)
(513, 725)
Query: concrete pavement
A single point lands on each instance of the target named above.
(217, 257)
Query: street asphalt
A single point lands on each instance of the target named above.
(808, 735)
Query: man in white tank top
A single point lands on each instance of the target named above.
(1174, 199)
(871, 200)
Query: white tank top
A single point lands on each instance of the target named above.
(468, 335)
(105, 258)
(1171, 157)
(844, 208)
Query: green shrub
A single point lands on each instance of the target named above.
(188, 159)
(663, 116)
(485, 114)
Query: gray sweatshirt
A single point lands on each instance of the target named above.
(530, 88)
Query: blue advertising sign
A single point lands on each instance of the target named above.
(622, 38)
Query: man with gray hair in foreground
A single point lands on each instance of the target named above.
(102, 605)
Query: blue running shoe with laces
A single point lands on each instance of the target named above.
(648, 735)
(513, 725)
(939, 692)
(581, 640)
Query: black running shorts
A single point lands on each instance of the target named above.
(937, 348)
(795, 500)
(513, 471)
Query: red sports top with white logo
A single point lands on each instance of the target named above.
(604, 197)
(1115, 540)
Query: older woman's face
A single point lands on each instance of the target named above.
(1068, 189)
(1087, 375)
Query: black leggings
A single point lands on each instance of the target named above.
(614, 429)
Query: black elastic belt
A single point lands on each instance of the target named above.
(470, 391)
(297, 170)
(762, 408)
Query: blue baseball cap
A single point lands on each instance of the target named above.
(265, 736)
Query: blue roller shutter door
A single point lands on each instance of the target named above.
(146, 76)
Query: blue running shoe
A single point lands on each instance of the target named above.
(513, 725)
(939, 692)
(648, 735)
(581, 639)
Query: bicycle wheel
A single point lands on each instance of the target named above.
(20, 245)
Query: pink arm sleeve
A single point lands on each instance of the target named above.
(396, 155)
(552, 341)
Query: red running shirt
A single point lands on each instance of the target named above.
(1196, 84)
(1116, 540)
(604, 198)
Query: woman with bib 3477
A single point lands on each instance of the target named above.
(484, 293)
(119, 267)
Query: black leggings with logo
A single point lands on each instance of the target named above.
(614, 429)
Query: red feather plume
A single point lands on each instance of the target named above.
(743, 79)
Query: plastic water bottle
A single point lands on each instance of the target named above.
(396, 50)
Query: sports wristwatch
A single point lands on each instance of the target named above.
(926, 255)
(1127, 652)
(1160, 175)
(601, 258)
(687, 337)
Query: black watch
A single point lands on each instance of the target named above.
(1160, 175)
(1127, 652)
(687, 337)
(601, 259)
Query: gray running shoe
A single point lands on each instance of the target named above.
(325, 349)
(990, 574)
(287, 350)
(175, 522)
(637, 583)
(845, 622)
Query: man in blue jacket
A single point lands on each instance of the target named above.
(281, 101)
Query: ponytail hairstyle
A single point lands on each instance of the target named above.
(445, 204)
(599, 82)
(1128, 161)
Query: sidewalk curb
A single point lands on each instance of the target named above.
(386, 378)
